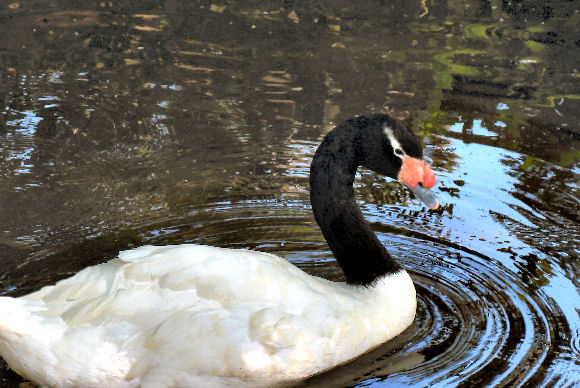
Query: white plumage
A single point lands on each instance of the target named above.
(193, 315)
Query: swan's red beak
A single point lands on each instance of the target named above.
(419, 178)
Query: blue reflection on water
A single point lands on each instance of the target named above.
(20, 144)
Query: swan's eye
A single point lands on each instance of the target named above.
(399, 152)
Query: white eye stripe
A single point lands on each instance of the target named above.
(394, 143)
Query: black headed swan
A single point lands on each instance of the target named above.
(199, 316)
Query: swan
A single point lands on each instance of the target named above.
(194, 315)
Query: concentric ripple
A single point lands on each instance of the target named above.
(477, 323)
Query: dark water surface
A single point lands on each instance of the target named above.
(124, 123)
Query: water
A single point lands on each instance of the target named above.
(124, 124)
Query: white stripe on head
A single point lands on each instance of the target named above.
(397, 149)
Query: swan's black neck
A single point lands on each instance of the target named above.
(356, 247)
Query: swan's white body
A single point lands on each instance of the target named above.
(192, 315)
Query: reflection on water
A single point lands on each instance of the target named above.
(195, 122)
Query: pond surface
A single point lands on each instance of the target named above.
(178, 121)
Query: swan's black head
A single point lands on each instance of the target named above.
(387, 146)
(380, 143)
(384, 142)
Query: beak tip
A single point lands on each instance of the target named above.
(435, 206)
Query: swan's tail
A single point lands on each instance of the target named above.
(14, 318)
(38, 345)
(22, 333)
